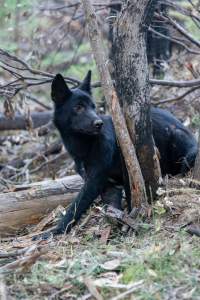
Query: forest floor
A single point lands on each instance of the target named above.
(98, 261)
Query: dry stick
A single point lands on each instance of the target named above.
(193, 51)
(168, 100)
(24, 81)
(179, 28)
(55, 8)
(176, 83)
(35, 100)
(182, 10)
(136, 180)
(26, 67)
(135, 287)
(170, 83)
(21, 263)
(14, 253)
(123, 218)
(184, 32)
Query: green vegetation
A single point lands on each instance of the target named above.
(164, 265)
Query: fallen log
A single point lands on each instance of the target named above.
(19, 122)
(29, 203)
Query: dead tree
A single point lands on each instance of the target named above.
(132, 83)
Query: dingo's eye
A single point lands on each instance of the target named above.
(79, 108)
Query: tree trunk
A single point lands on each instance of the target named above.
(31, 202)
(196, 172)
(135, 177)
(131, 78)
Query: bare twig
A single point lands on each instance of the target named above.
(21, 263)
(176, 83)
(137, 285)
(182, 96)
(35, 100)
(193, 51)
(180, 29)
(183, 10)
(22, 72)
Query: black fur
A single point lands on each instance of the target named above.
(91, 141)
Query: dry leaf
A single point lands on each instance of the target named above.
(92, 289)
(111, 265)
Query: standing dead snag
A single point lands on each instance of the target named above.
(135, 176)
(131, 77)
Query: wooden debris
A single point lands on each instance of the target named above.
(29, 205)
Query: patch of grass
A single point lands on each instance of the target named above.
(133, 273)
(196, 120)
(164, 264)
(43, 272)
